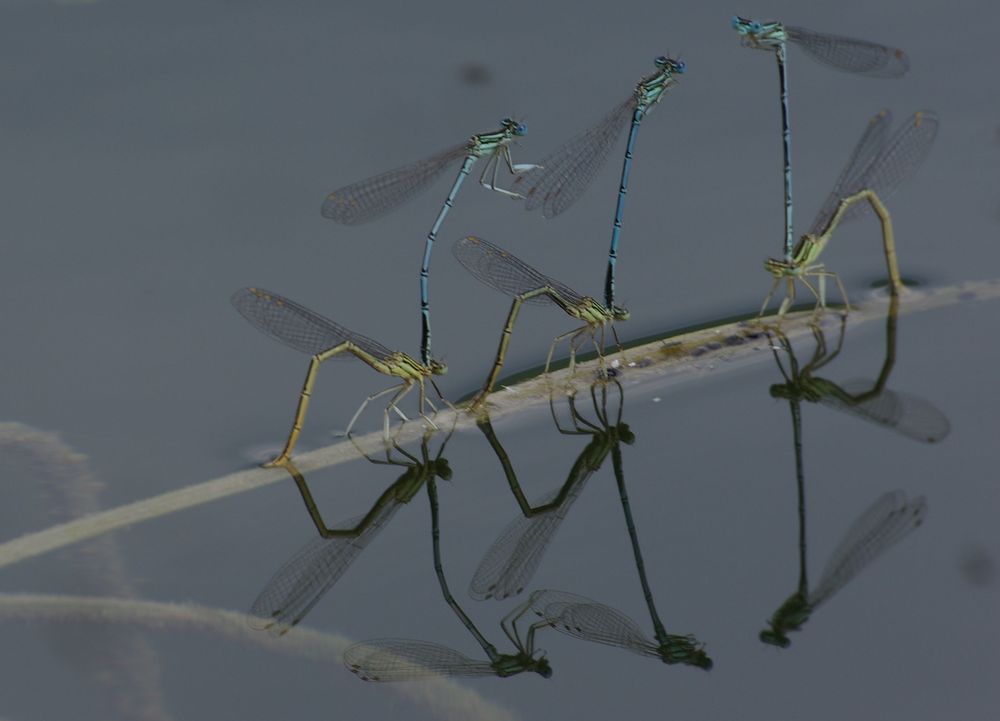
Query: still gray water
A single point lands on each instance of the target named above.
(159, 157)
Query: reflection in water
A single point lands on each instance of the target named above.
(118, 660)
(906, 414)
(589, 620)
(473, 73)
(513, 558)
(516, 554)
(978, 566)
(303, 580)
(891, 517)
(888, 520)
(398, 659)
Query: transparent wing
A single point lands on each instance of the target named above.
(307, 576)
(373, 197)
(900, 158)
(503, 271)
(400, 659)
(593, 621)
(872, 142)
(548, 603)
(897, 161)
(297, 326)
(568, 170)
(890, 519)
(512, 560)
(853, 56)
(907, 415)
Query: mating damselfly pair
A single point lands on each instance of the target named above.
(879, 163)
(554, 184)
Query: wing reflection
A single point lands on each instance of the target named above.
(514, 557)
(398, 659)
(308, 575)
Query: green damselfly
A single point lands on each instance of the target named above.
(508, 274)
(310, 333)
(877, 166)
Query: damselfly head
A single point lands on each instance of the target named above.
(542, 667)
(667, 63)
(773, 637)
(515, 127)
(781, 390)
(745, 26)
(755, 34)
(619, 313)
(625, 434)
(438, 367)
(686, 650)
(441, 469)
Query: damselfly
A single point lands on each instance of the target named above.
(877, 166)
(501, 270)
(371, 198)
(854, 56)
(565, 173)
(310, 333)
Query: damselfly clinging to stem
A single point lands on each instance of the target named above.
(877, 166)
(565, 173)
(508, 274)
(371, 198)
(854, 56)
(312, 334)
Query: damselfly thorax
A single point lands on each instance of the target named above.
(803, 259)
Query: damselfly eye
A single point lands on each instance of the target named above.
(521, 129)
(756, 28)
(680, 66)
(736, 22)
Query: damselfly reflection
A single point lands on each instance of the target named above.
(399, 659)
(514, 557)
(501, 270)
(904, 413)
(891, 517)
(886, 522)
(308, 575)
(589, 620)
(511, 562)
